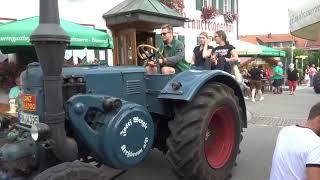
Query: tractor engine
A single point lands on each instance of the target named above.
(109, 129)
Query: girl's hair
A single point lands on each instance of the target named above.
(204, 34)
(223, 35)
(254, 64)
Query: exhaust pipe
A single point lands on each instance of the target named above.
(50, 41)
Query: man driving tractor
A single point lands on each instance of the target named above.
(172, 51)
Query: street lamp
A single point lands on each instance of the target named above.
(292, 48)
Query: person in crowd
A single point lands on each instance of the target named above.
(201, 54)
(14, 95)
(306, 74)
(277, 78)
(255, 82)
(297, 152)
(293, 78)
(225, 51)
(173, 51)
(245, 88)
(262, 70)
(312, 72)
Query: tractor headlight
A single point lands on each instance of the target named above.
(40, 131)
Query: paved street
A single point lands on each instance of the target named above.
(254, 162)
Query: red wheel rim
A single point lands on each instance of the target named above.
(220, 137)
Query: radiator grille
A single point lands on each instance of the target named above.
(134, 87)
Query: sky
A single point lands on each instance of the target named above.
(255, 16)
(264, 16)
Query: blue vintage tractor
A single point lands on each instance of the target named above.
(73, 120)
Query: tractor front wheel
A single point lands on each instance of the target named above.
(205, 134)
(71, 171)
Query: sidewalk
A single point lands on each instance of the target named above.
(282, 109)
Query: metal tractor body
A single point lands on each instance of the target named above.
(115, 114)
(74, 118)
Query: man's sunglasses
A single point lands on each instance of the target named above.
(163, 34)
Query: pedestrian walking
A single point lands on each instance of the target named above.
(292, 78)
(312, 72)
(297, 152)
(243, 85)
(306, 74)
(255, 82)
(277, 77)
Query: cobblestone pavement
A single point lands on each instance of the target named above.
(284, 109)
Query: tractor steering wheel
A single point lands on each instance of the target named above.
(146, 55)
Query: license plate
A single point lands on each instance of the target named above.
(29, 102)
(28, 119)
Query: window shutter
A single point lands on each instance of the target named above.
(233, 6)
(199, 4)
(214, 3)
(221, 6)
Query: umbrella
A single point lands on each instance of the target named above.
(271, 52)
(16, 34)
(246, 49)
(305, 20)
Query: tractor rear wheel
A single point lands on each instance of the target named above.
(205, 134)
(71, 171)
(316, 83)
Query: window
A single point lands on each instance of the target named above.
(205, 3)
(226, 6)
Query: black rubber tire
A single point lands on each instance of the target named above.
(71, 171)
(316, 83)
(188, 129)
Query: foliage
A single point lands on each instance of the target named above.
(230, 17)
(177, 5)
(208, 13)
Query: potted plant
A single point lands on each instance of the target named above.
(230, 17)
(208, 13)
(177, 5)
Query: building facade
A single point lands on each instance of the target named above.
(90, 12)
(278, 41)
(191, 30)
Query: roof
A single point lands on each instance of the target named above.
(312, 45)
(151, 7)
(268, 38)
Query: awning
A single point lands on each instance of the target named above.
(271, 52)
(245, 48)
(304, 20)
(16, 34)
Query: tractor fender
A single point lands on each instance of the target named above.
(185, 85)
